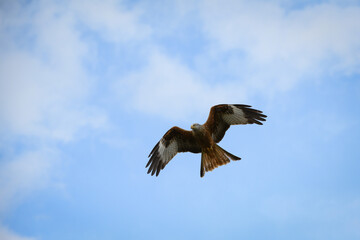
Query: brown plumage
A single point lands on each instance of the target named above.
(203, 138)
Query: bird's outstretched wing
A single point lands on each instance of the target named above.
(175, 140)
(223, 115)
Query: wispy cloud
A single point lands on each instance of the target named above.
(111, 20)
(7, 234)
(288, 45)
(166, 87)
(45, 86)
(264, 47)
(21, 175)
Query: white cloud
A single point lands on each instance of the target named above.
(6, 234)
(44, 84)
(43, 90)
(285, 45)
(168, 88)
(263, 47)
(111, 20)
(24, 174)
(35, 100)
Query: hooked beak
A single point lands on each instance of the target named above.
(192, 126)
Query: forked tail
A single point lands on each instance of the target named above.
(214, 157)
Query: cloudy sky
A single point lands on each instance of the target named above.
(87, 88)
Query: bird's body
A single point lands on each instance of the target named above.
(203, 138)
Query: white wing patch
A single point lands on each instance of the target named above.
(167, 153)
(238, 117)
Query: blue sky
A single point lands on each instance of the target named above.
(87, 88)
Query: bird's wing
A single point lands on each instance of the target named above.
(175, 140)
(223, 115)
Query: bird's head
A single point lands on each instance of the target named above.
(196, 127)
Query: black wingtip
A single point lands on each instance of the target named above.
(148, 163)
(154, 149)
(241, 105)
(202, 172)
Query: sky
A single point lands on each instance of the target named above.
(87, 88)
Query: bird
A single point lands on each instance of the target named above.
(203, 138)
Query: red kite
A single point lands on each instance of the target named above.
(203, 138)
